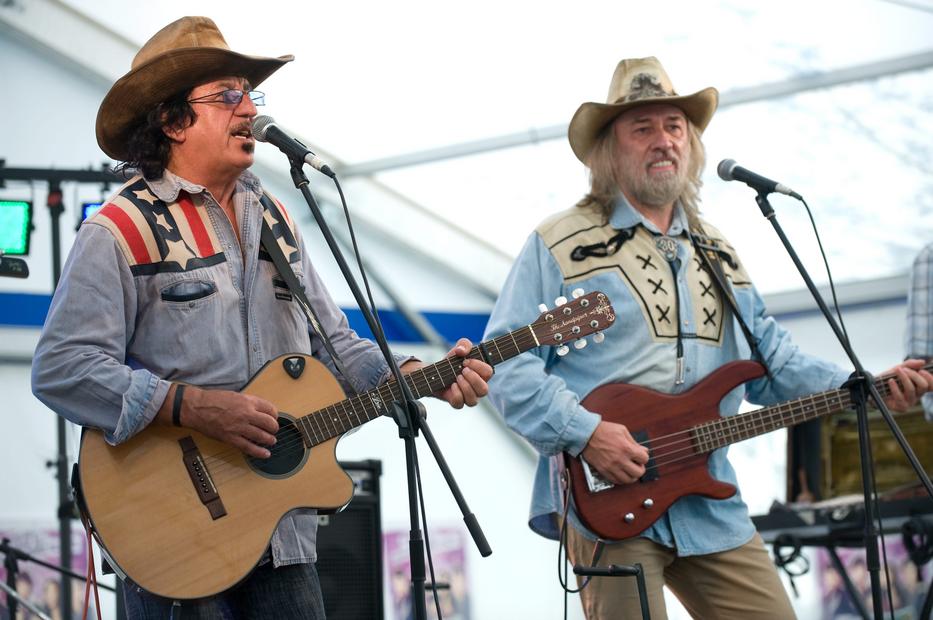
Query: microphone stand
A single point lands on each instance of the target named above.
(407, 415)
(861, 386)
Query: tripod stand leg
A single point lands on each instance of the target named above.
(850, 587)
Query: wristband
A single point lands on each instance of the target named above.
(176, 404)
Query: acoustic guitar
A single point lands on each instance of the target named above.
(185, 516)
(680, 431)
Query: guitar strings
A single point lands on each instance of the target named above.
(833, 401)
(225, 461)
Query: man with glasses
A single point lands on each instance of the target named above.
(168, 304)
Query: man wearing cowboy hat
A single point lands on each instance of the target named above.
(167, 286)
(633, 236)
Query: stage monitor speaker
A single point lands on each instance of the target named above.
(349, 549)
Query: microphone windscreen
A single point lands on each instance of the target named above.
(724, 169)
(261, 125)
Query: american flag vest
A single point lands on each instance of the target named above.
(159, 237)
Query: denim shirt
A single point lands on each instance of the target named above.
(919, 332)
(539, 393)
(157, 288)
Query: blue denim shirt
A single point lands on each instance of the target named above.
(919, 332)
(114, 341)
(539, 393)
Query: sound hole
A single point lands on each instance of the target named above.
(288, 453)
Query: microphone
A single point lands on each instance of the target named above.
(265, 130)
(730, 171)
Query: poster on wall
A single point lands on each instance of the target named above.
(449, 554)
(40, 585)
(909, 590)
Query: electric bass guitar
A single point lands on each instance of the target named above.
(680, 431)
(185, 516)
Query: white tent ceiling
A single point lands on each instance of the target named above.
(412, 81)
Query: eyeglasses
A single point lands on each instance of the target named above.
(231, 96)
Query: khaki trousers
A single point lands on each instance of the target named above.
(738, 584)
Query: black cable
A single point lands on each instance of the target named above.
(378, 323)
(829, 273)
(842, 325)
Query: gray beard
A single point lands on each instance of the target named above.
(658, 192)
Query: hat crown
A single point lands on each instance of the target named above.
(639, 78)
(186, 32)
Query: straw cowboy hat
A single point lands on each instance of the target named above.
(636, 81)
(187, 52)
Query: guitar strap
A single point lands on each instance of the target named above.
(281, 264)
(709, 253)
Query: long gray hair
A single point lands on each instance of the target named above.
(604, 183)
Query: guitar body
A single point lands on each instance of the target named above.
(185, 516)
(680, 469)
(149, 518)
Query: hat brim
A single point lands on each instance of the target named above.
(143, 88)
(591, 118)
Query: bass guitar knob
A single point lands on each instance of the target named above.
(648, 503)
(629, 517)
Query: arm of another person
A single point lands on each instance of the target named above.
(538, 405)
(796, 373)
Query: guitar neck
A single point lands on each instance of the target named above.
(339, 418)
(725, 431)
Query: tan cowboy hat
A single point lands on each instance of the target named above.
(636, 81)
(187, 52)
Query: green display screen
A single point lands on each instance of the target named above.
(15, 225)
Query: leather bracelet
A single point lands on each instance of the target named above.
(176, 404)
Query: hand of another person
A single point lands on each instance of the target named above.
(911, 383)
(615, 454)
(470, 385)
(243, 421)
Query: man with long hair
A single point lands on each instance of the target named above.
(636, 236)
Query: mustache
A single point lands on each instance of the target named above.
(245, 126)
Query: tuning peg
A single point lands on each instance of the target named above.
(560, 301)
(563, 350)
(597, 338)
(579, 344)
(577, 293)
(542, 308)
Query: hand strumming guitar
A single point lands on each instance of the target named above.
(243, 421)
(615, 454)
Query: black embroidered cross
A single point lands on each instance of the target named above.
(645, 261)
(699, 263)
(707, 290)
(659, 285)
(710, 317)
(663, 313)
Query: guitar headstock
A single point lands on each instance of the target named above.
(571, 320)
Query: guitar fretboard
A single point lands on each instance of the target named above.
(335, 420)
(725, 431)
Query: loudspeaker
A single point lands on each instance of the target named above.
(349, 549)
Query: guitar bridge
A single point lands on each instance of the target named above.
(201, 478)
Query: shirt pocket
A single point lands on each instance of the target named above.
(188, 294)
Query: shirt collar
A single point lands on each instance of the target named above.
(624, 215)
(170, 185)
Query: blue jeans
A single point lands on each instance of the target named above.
(287, 592)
